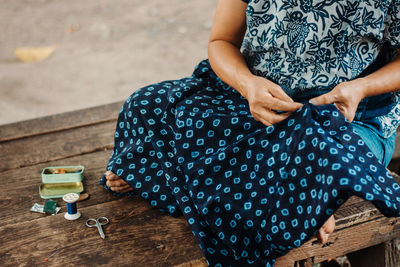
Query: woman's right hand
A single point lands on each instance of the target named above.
(266, 97)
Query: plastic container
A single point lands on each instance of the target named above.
(62, 174)
(61, 180)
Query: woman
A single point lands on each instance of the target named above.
(177, 141)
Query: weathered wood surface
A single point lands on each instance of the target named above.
(54, 146)
(345, 240)
(20, 187)
(137, 235)
(60, 122)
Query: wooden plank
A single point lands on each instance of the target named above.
(15, 179)
(136, 236)
(346, 240)
(53, 146)
(194, 263)
(392, 252)
(355, 211)
(60, 122)
(20, 187)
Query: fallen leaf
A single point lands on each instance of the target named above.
(31, 54)
(73, 28)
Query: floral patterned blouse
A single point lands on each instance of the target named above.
(310, 46)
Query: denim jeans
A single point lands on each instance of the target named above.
(383, 148)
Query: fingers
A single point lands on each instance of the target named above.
(268, 117)
(110, 176)
(346, 112)
(281, 101)
(323, 99)
(264, 93)
(264, 105)
(279, 93)
(280, 105)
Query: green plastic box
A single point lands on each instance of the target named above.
(51, 175)
(60, 180)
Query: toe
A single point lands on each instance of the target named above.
(329, 225)
(126, 188)
(326, 229)
(111, 176)
(114, 183)
(121, 189)
(108, 174)
(322, 236)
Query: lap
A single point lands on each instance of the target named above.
(192, 146)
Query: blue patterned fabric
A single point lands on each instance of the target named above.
(250, 193)
(308, 47)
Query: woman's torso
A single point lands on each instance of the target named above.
(308, 47)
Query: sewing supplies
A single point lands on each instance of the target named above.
(83, 197)
(62, 174)
(51, 255)
(49, 206)
(58, 181)
(40, 209)
(99, 222)
(72, 212)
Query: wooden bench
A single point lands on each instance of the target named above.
(137, 235)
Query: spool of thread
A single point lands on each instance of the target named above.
(72, 212)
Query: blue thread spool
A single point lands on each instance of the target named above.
(72, 212)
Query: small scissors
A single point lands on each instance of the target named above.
(99, 222)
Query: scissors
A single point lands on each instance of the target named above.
(99, 222)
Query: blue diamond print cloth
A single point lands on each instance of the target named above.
(249, 192)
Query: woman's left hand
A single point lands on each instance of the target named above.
(345, 96)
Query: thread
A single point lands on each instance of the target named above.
(51, 255)
(72, 211)
(71, 208)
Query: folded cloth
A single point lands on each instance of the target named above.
(249, 192)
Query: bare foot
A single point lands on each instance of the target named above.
(117, 184)
(326, 229)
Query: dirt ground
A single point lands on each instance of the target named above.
(105, 50)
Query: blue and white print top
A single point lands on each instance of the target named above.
(310, 46)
